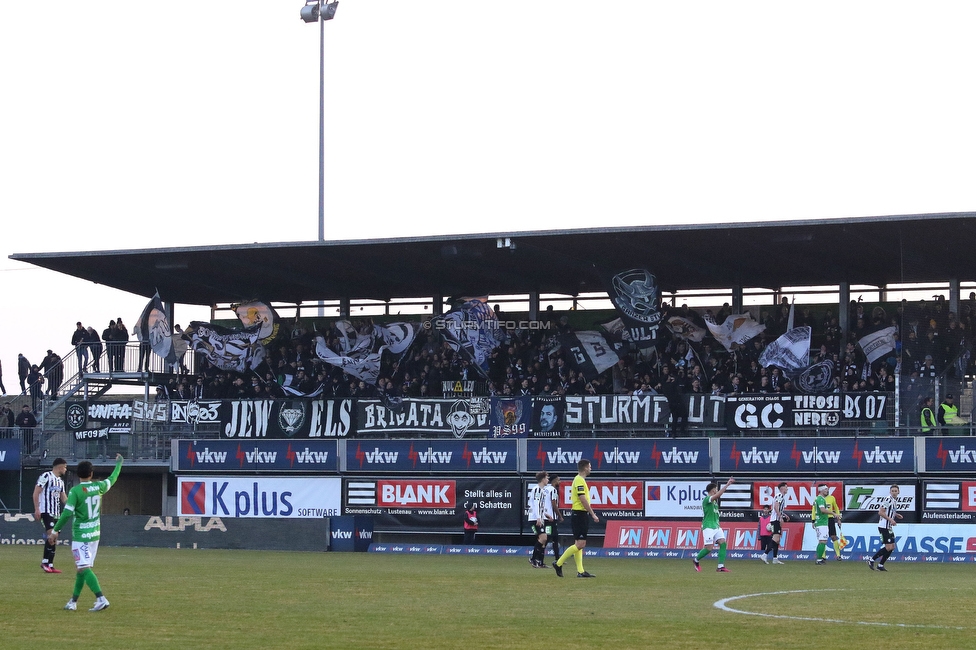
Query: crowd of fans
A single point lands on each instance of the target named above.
(531, 362)
(930, 338)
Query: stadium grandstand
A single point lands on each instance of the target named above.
(513, 346)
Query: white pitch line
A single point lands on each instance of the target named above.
(722, 604)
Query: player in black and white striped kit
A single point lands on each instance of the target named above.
(887, 513)
(777, 517)
(49, 499)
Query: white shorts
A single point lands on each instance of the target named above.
(713, 536)
(84, 553)
(823, 533)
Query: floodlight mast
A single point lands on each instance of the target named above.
(317, 11)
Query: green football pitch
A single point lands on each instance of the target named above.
(168, 598)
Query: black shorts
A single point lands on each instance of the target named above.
(887, 535)
(541, 530)
(832, 527)
(777, 527)
(48, 521)
(581, 524)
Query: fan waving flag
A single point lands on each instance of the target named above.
(590, 352)
(258, 312)
(685, 329)
(471, 330)
(791, 351)
(635, 295)
(153, 327)
(877, 344)
(360, 351)
(736, 330)
(227, 349)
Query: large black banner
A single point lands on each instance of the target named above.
(286, 418)
(462, 418)
(780, 411)
(616, 412)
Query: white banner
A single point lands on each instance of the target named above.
(673, 498)
(259, 497)
(877, 344)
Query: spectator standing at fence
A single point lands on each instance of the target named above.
(928, 417)
(85, 504)
(948, 413)
(49, 499)
(122, 337)
(108, 335)
(470, 522)
(53, 372)
(25, 419)
(94, 348)
(81, 347)
(7, 416)
(23, 369)
(35, 382)
(3, 389)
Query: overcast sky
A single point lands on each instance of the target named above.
(133, 124)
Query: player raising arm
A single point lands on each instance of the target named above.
(711, 532)
(85, 505)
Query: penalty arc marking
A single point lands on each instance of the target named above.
(724, 606)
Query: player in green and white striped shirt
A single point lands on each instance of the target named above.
(85, 505)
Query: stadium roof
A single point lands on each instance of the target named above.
(875, 251)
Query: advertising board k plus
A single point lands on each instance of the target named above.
(954, 454)
(209, 496)
(684, 499)
(456, 456)
(809, 455)
(255, 455)
(434, 504)
(619, 455)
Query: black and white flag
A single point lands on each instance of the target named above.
(471, 330)
(790, 352)
(290, 385)
(227, 349)
(258, 312)
(589, 352)
(737, 330)
(635, 295)
(360, 351)
(877, 344)
(818, 378)
(153, 327)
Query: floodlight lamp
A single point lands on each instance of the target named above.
(310, 12)
(314, 9)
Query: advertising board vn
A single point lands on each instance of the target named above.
(619, 455)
